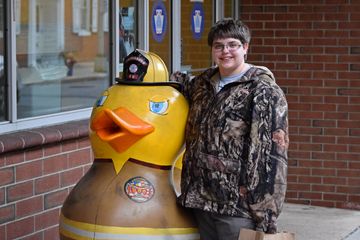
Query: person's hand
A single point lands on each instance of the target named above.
(178, 77)
(271, 228)
(267, 225)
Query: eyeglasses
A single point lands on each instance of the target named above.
(231, 46)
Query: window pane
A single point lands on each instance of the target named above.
(196, 20)
(228, 9)
(3, 92)
(62, 56)
(160, 30)
(127, 29)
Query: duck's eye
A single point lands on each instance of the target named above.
(159, 107)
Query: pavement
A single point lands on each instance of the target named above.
(319, 223)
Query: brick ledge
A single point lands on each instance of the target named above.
(24, 139)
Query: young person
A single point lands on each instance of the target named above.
(235, 165)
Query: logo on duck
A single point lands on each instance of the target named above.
(135, 67)
(139, 189)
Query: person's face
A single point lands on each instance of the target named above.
(228, 54)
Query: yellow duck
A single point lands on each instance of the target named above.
(137, 134)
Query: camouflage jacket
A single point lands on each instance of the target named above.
(236, 146)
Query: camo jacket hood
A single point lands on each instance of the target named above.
(236, 146)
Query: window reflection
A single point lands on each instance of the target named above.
(3, 93)
(127, 29)
(62, 55)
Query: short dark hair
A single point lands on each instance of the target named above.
(229, 28)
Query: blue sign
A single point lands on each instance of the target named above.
(159, 21)
(197, 20)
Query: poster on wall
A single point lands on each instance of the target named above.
(159, 21)
(197, 20)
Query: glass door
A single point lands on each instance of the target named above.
(196, 19)
(127, 28)
(160, 29)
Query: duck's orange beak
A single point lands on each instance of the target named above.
(120, 128)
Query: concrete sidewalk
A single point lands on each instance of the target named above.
(320, 223)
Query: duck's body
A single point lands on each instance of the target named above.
(136, 132)
(121, 206)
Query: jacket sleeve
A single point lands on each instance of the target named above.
(185, 80)
(190, 82)
(267, 161)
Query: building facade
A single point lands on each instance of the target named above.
(57, 56)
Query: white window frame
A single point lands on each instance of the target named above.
(176, 36)
(18, 16)
(94, 15)
(81, 17)
(101, 7)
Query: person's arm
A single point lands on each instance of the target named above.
(267, 165)
(184, 79)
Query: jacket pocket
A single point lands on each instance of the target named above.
(215, 163)
(219, 178)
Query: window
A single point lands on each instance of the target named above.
(81, 17)
(58, 56)
(3, 84)
(127, 30)
(60, 66)
(160, 15)
(196, 19)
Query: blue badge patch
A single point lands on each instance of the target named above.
(197, 20)
(101, 101)
(159, 21)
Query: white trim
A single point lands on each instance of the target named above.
(18, 16)
(144, 8)
(78, 28)
(176, 36)
(61, 21)
(86, 234)
(32, 34)
(117, 39)
(11, 58)
(42, 121)
(219, 9)
(95, 14)
(236, 7)
(106, 16)
(76, 16)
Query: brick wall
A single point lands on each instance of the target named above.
(313, 47)
(38, 168)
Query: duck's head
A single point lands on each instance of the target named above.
(142, 117)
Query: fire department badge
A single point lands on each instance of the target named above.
(139, 189)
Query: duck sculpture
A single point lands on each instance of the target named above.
(137, 137)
